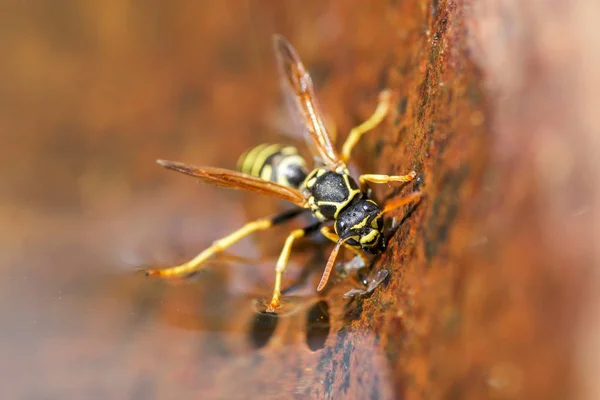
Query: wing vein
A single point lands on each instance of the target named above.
(237, 180)
(297, 85)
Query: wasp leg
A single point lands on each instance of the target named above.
(223, 243)
(283, 260)
(397, 203)
(376, 178)
(330, 234)
(383, 107)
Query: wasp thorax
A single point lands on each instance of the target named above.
(362, 223)
(330, 192)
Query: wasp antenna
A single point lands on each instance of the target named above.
(397, 203)
(330, 263)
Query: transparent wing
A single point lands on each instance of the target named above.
(237, 180)
(298, 90)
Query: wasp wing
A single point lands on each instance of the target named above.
(298, 89)
(237, 180)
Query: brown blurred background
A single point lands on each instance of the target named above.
(492, 292)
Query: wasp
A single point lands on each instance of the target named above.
(342, 207)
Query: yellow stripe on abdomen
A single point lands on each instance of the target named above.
(274, 162)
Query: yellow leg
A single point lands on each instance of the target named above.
(397, 203)
(376, 178)
(329, 233)
(217, 246)
(280, 266)
(222, 244)
(383, 107)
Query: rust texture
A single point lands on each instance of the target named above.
(489, 277)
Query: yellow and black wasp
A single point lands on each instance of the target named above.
(343, 210)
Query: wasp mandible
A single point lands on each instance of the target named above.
(343, 210)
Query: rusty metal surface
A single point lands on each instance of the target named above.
(479, 302)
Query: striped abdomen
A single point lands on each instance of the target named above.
(276, 163)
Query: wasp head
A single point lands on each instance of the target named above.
(362, 225)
